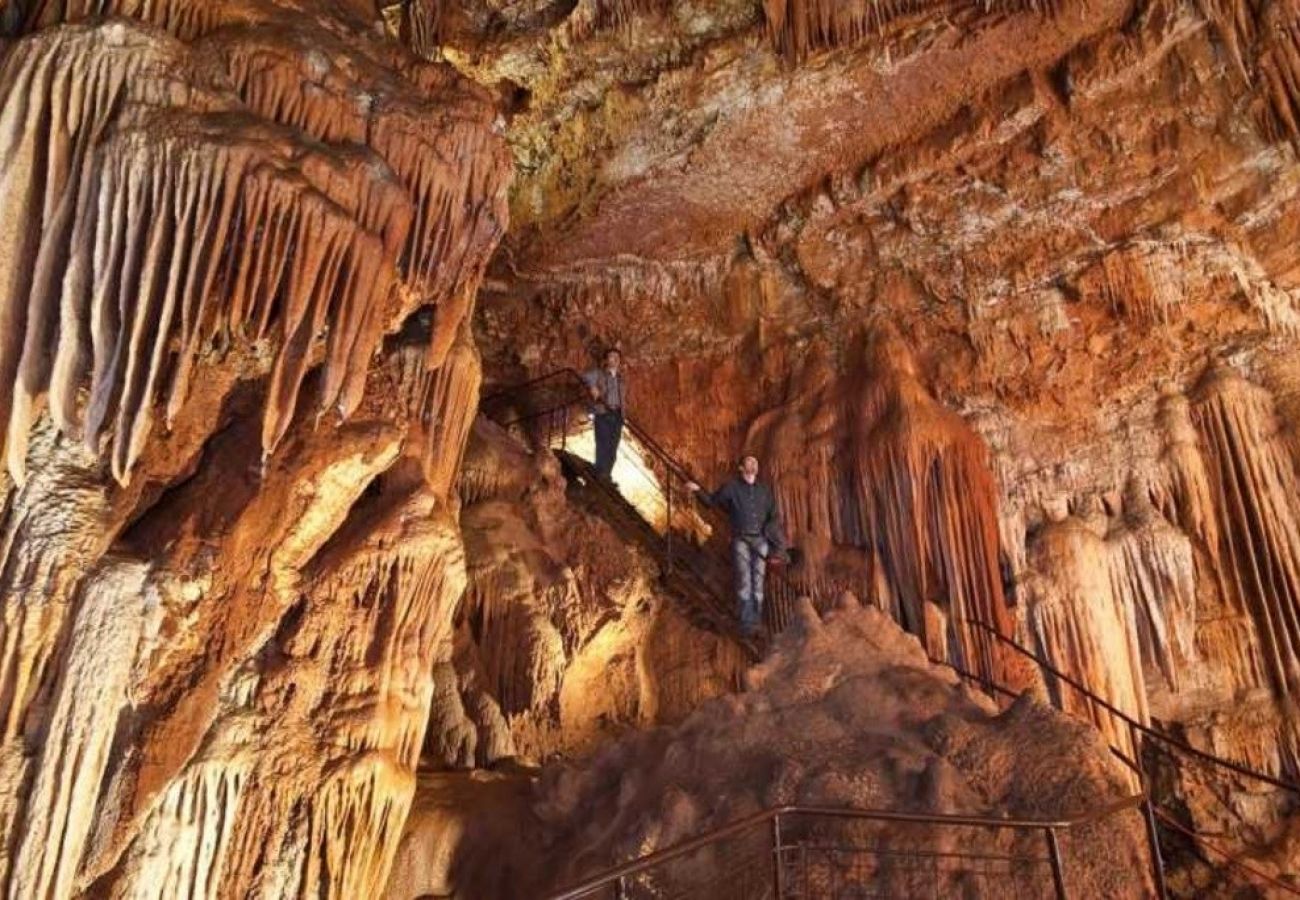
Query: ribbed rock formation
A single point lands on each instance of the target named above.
(873, 462)
(230, 551)
(1256, 492)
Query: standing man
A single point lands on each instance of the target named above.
(755, 535)
(608, 391)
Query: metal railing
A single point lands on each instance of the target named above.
(547, 410)
(1145, 740)
(826, 852)
(548, 401)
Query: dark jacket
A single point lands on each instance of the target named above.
(751, 509)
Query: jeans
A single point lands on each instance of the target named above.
(609, 431)
(749, 555)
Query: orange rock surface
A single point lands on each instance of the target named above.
(1006, 296)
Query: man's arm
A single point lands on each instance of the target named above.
(592, 380)
(772, 529)
(715, 498)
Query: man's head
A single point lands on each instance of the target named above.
(612, 359)
(749, 467)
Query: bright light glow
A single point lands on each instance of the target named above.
(639, 483)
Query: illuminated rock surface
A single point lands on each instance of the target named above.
(846, 712)
(1006, 295)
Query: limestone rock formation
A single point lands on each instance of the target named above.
(1080, 219)
(844, 712)
(240, 243)
(1006, 295)
(565, 635)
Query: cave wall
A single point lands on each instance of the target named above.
(241, 243)
(1004, 294)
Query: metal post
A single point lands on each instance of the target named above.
(1058, 876)
(620, 888)
(668, 532)
(564, 435)
(777, 852)
(1148, 813)
(803, 865)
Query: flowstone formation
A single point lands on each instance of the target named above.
(240, 243)
(846, 711)
(565, 636)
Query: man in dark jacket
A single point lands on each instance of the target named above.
(608, 391)
(755, 535)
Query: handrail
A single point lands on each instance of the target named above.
(1158, 735)
(678, 468)
(637, 866)
(1232, 859)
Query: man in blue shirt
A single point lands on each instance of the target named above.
(608, 390)
(755, 535)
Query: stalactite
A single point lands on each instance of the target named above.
(593, 16)
(449, 411)
(421, 26)
(186, 20)
(221, 207)
(1142, 283)
(799, 27)
(1152, 573)
(1263, 43)
(184, 846)
(874, 462)
(1189, 497)
(1257, 498)
(141, 201)
(645, 295)
(1084, 626)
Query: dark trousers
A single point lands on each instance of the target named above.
(609, 431)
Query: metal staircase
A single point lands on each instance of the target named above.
(548, 411)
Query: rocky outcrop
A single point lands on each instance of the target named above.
(845, 711)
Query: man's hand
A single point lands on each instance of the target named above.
(692, 487)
